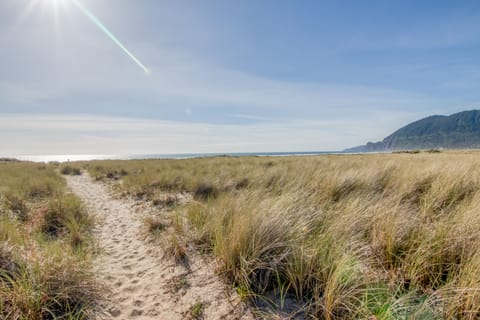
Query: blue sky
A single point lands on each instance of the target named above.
(229, 76)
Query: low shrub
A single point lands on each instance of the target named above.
(205, 191)
(72, 171)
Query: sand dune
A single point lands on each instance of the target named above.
(141, 282)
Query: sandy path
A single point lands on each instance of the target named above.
(142, 284)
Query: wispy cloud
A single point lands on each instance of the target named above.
(86, 134)
(194, 84)
(14, 94)
(248, 117)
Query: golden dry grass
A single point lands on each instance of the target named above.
(44, 246)
(383, 236)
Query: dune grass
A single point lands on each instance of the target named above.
(386, 236)
(44, 246)
(70, 170)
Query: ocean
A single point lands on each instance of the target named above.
(87, 157)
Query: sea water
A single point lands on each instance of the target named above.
(87, 157)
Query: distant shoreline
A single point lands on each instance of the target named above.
(88, 157)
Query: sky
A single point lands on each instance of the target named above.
(229, 76)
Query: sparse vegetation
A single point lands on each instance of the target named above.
(44, 246)
(196, 311)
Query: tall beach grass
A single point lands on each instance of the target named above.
(45, 246)
(385, 236)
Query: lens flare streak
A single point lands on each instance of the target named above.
(112, 37)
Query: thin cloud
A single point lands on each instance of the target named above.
(248, 117)
(87, 134)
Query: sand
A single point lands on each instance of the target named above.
(141, 282)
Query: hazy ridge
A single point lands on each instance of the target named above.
(457, 131)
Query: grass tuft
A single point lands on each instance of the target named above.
(70, 170)
(155, 224)
(197, 310)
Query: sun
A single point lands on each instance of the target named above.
(43, 7)
(56, 4)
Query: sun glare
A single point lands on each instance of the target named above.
(59, 7)
(56, 4)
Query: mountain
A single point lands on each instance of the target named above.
(457, 131)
